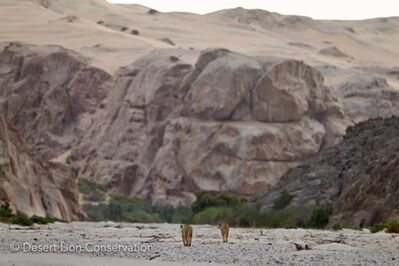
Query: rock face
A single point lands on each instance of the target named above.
(359, 177)
(31, 185)
(168, 129)
(44, 90)
(367, 96)
(267, 20)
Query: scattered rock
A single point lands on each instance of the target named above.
(168, 41)
(334, 52)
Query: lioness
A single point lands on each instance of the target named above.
(187, 234)
(224, 228)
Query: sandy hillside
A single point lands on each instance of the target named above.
(73, 24)
(160, 244)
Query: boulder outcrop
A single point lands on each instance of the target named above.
(44, 90)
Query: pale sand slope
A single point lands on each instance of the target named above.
(164, 246)
(367, 43)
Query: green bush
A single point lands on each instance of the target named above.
(215, 215)
(337, 227)
(320, 216)
(283, 201)
(21, 219)
(40, 220)
(142, 217)
(92, 191)
(182, 215)
(392, 227)
(5, 211)
(130, 209)
(100, 22)
(206, 200)
(7, 216)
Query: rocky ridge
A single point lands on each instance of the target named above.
(358, 177)
(32, 186)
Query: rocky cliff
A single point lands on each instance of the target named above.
(229, 123)
(358, 177)
(168, 129)
(44, 90)
(31, 185)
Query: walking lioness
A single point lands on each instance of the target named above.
(187, 234)
(224, 228)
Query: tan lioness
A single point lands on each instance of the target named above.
(187, 234)
(224, 228)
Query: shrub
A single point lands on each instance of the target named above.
(206, 200)
(142, 217)
(22, 219)
(40, 220)
(92, 191)
(320, 216)
(215, 215)
(131, 209)
(123, 28)
(392, 227)
(135, 32)
(100, 22)
(5, 211)
(377, 227)
(182, 215)
(337, 227)
(153, 11)
(283, 201)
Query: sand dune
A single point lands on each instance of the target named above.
(368, 42)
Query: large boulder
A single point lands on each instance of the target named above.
(288, 91)
(221, 85)
(43, 92)
(31, 185)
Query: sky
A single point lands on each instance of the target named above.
(317, 9)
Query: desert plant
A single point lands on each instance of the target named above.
(392, 227)
(320, 216)
(92, 191)
(5, 211)
(377, 227)
(135, 32)
(206, 199)
(152, 11)
(100, 22)
(337, 227)
(123, 28)
(21, 219)
(215, 215)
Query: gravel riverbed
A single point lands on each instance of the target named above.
(83, 243)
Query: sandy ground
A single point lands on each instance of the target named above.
(160, 244)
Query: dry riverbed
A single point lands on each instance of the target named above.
(160, 244)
